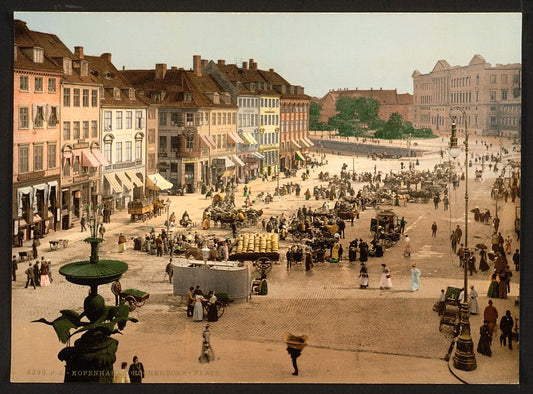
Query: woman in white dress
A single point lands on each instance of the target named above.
(198, 312)
(385, 281)
(474, 307)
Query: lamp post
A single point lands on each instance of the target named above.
(464, 358)
(205, 254)
(409, 147)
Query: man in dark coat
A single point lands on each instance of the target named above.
(31, 277)
(516, 260)
(37, 274)
(342, 227)
(15, 267)
(506, 325)
(136, 371)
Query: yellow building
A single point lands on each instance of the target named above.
(269, 132)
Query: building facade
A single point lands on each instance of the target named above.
(491, 97)
(123, 135)
(36, 136)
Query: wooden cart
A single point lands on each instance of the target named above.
(140, 210)
(135, 298)
(450, 315)
(261, 261)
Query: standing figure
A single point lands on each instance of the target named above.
(15, 267)
(37, 274)
(295, 345)
(212, 314)
(508, 245)
(207, 354)
(415, 278)
(34, 245)
(169, 270)
(385, 281)
(403, 222)
(121, 243)
(101, 230)
(407, 248)
(516, 260)
(116, 289)
(82, 223)
(506, 326)
(136, 371)
(30, 277)
(190, 302)
(493, 291)
(198, 312)
(483, 346)
(363, 251)
(352, 251)
(122, 375)
(496, 223)
(434, 230)
(474, 307)
(483, 265)
(308, 260)
(458, 234)
(44, 280)
(363, 277)
(490, 314)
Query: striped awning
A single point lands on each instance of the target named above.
(298, 155)
(134, 178)
(88, 159)
(258, 155)
(295, 144)
(100, 157)
(157, 182)
(311, 143)
(304, 143)
(206, 141)
(233, 136)
(113, 182)
(249, 138)
(237, 160)
(125, 181)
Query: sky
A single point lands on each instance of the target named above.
(317, 51)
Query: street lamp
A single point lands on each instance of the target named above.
(464, 358)
(205, 254)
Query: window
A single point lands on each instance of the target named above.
(151, 160)
(39, 116)
(492, 95)
(76, 130)
(66, 131)
(240, 121)
(493, 120)
(233, 118)
(173, 167)
(76, 97)
(174, 119)
(37, 157)
(174, 144)
(128, 150)
(162, 118)
(504, 94)
(94, 98)
(23, 84)
(52, 120)
(516, 92)
(151, 136)
(162, 143)
(503, 78)
(107, 151)
(118, 152)
(190, 119)
(94, 128)
(219, 140)
(262, 120)
(129, 119)
(214, 120)
(219, 118)
(85, 98)
(76, 165)
(24, 162)
(85, 129)
(138, 149)
(66, 97)
(66, 168)
(119, 120)
(38, 84)
(139, 119)
(189, 142)
(516, 78)
(52, 155)
(492, 78)
(23, 118)
(107, 120)
(224, 118)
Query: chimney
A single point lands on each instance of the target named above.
(253, 66)
(123, 68)
(78, 51)
(245, 65)
(221, 62)
(197, 65)
(174, 68)
(106, 56)
(160, 70)
(204, 63)
(271, 70)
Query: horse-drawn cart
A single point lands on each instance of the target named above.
(135, 298)
(261, 249)
(140, 210)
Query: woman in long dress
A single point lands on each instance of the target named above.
(407, 249)
(363, 277)
(474, 307)
(212, 314)
(508, 245)
(121, 243)
(483, 265)
(45, 280)
(207, 354)
(415, 278)
(198, 312)
(335, 253)
(483, 346)
(493, 291)
(385, 281)
(363, 251)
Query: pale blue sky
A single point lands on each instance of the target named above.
(317, 51)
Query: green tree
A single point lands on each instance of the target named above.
(314, 118)
(346, 108)
(367, 110)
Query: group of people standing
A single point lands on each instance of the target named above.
(135, 373)
(195, 305)
(36, 275)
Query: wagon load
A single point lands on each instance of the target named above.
(258, 243)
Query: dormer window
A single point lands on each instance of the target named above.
(67, 66)
(187, 97)
(84, 68)
(131, 93)
(109, 75)
(38, 55)
(116, 93)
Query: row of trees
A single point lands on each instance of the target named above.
(359, 116)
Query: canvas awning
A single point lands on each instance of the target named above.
(227, 161)
(134, 178)
(100, 157)
(233, 136)
(212, 140)
(258, 155)
(125, 180)
(309, 142)
(157, 182)
(228, 173)
(303, 143)
(249, 138)
(237, 160)
(206, 141)
(113, 183)
(298, 155)
(295, 144)
(88, 159)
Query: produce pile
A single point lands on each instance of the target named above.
(258, 243)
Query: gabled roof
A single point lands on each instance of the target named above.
(236, 74)
(385, 97)
(477, 59)
(441, 65)
(24, 38)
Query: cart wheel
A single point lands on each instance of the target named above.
(264, 264)
(387, 243)
(131, 301)
(296, 236)
(144, 217)
(220, 309)
(132, 218)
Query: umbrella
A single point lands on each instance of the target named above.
(481, 246)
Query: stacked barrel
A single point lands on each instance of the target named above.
(258, 243)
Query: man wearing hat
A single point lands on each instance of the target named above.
(415, 278)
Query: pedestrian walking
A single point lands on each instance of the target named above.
(116, 289)
(458, 234)
(37, 274)
(159, 246)
(385, 281)
(30, 275)
(101, 230)
(122, 375)
(490, 314)
(483, 346)
(15, 267)
(496, 223)
(190, 301)
(407, 248)
(82, 223)
(295, 345)
(403, 222)
(34, 246)
(508, 245)
(474, 307)
(516, 260)
(121, 243)
(234, 229)
(136, 371)
(506, 326)
(434, 229)
(363, 277)
(415, 278)
(207, 354)
(169, 271)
